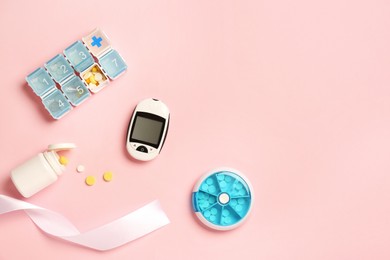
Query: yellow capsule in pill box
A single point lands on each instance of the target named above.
(92, 79)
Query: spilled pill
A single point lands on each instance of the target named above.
(107, 176)
(90, 180)
(80, 168)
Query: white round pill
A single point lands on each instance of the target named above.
(80, 168)
(98, 76)
(87, 75)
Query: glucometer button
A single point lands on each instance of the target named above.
(142, 148)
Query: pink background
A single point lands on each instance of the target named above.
(295, 94)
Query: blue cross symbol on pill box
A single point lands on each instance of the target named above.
(97, 42)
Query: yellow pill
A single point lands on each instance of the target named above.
(63, 160)
(88, 81)
(94, 69)
(107, 176)
(92, 79)
(90, 180)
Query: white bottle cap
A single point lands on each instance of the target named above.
(61, 147)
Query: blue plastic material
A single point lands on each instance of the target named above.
(58, 82)
(40, 82)
(79, 56)
(113, 64)
(59, 68)
(75, 90)
(56, 104)
(223, 199)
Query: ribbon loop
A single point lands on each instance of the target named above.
(114, 234)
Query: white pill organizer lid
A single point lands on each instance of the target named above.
(61, 147)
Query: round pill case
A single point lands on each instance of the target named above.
(222, 199)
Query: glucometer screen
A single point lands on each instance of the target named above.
(147, 129)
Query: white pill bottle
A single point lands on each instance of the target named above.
(40, 171)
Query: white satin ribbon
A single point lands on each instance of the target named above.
(119, 232)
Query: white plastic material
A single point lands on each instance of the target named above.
(40, 171)
(150, 108)
(61, 147)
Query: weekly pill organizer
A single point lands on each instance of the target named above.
(68, 79)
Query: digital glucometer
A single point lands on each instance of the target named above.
(147, 129)
(222, 199)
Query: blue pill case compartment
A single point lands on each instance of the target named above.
(113, 64)
(79, 56)
(40, 82)
(75, 91)
(61, 76)
(57, 104)
(222, 199)
(59, 68)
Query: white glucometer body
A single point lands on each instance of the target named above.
(147, 129)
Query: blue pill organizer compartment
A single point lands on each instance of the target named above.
(69, 80)
(113, 64)
(75, 91)
(40, 82)
(57, 104)
(59, 68)
(222, 199)
(79, 56)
